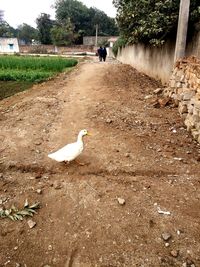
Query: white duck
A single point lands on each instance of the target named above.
(70, 151)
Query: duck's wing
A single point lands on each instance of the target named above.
(67, 153)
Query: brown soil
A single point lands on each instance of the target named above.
(136, 152)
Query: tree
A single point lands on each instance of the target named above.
(44, 26)
(6, 30)
(107, 25)
(27, 33)
(84, 19)
(62, 34)
(73, 9)
(151, 21)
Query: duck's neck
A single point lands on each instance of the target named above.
(80, 138)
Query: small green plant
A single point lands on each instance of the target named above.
(121, 42)
(15, 214)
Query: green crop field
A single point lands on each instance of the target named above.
(28, 70)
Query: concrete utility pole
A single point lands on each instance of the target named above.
(96, 41)
(182, 29)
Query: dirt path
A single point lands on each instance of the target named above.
(136, 152)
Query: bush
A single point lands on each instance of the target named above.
(121, 42)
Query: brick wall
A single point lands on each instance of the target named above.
(55, 49)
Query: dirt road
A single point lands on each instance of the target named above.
(136, 152)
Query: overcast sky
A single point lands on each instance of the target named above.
(17, 12)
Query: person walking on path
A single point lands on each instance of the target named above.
(104, 53)
(100, 53)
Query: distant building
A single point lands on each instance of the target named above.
(112, 40)
(9, 45)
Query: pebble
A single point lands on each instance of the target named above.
(174, 253)
(37, 143)
(179, 159)
(129, 165)
(109, 121)
(148, 97)
(158, 90)
(31, 223)
(50, 247)
(167, 245)
(57, 185)
(39, 191)
(178, 232)
(3, 199)
(121, 201)
(166, 236)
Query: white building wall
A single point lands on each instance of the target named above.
(9, 45)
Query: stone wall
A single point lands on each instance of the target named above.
(184, 88)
